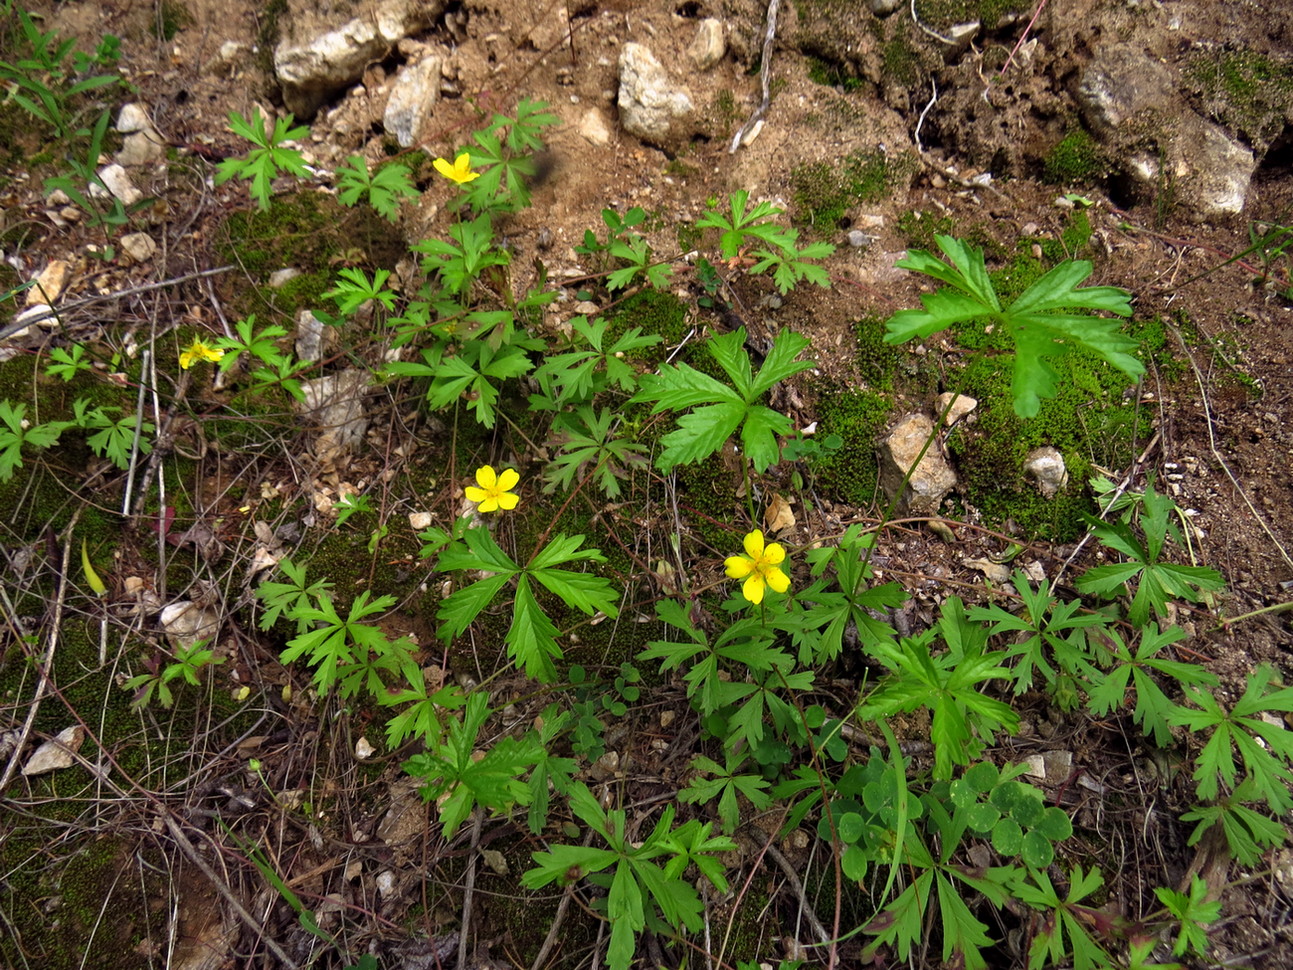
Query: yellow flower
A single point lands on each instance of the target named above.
(494, 492)
(459, 171)
(198, 352)
(759, 567)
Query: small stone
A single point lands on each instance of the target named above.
(1046, 466)
(420, 520)
(186, 623)
(652, 106)
(962, 406)
(1035, 766)
(133, 117)
(139, 246)
(116, 180)
(364, 750)
(281, 276)
(994, 572)
(49, 282)
(59, 752)
(415, 91)
(310, 333)
(594, 129)
(709, 45)
(882, 8)
(858, 239)
(931, 480)
(141, 148)
(1059, 765)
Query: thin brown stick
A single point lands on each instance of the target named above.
(47, 662)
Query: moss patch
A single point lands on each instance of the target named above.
(1244, 90)
(823, 192)
(1075, 160)
(858, 417)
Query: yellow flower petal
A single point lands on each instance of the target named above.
(754, 544)
(486, 477)
(774, 553)
(753, 589)
(738, 567)
(489, 504)
(509, 479)
(778, 580)
(475, 494)
(508, 501)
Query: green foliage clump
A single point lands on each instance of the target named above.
(1075, 160)
(831, 75)
(823, 192)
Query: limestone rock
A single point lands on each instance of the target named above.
(318, 57)
(594, 129)
(310, 335)
(1045, 465)
(58, 752)
(962, 406)
(931, 480)
(882, 8)
(1128, 97)
(118, 183)
(709, 46)
(186, 622)
(335, 406)
(416, 89)
(142, 144)
(139, 246)
(652, 106)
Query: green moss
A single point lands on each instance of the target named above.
(919, 228)
(832, 75)
(654, 311)
(1244, 90)
(857, 417)
(823, 192)
(1076, 160)
(171, 18)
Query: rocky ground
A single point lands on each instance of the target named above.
(1154, 139)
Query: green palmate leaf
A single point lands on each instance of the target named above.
(1192, 911)
(424, 717)
(383, 189)
(1153, 708)
(1064, 934)
(726, 786)
(721, 409)
(1248, 833)
(13, 436)
(1042, 322)
(1265, 748)
(265, 162)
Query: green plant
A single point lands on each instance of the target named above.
(383, 189)
(947, 684)
(66, 364)
(1158, 581)
(636, 882)
(1039, 323)
(268, 159)
(459, 782)
(46, 86)
(531, 638)
(777, 246)
(16, 433)
(348, 653)
(1063, 932)
(1264, 748)
(1192, 911)
(187, 665)
(719, 409)
(1153, 710)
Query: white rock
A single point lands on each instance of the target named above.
(141, 148)
(49, 282)
(652, 107)
(310, 335)
(882, 8)
(315, 61)
(334, 405)
(60, 752)
(364, 750)
(133, 117)
(931, 480)
(709, 45)
(1045, 465)
(185, 623)
(119, 184)
(962, 406)
(416, 89)
(282, 276)
(420, 520)
(139, 246)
